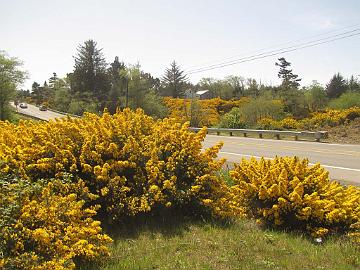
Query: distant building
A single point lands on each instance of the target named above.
(201, 94)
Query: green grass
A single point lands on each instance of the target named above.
(180, 243)
(16, 117)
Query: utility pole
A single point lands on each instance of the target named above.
(128, 77)
(127, 91)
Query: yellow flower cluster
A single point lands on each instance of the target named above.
(316, 120)
(132, 162)
(43, 228)
(288, 192)
(331, 118)
(209, 110)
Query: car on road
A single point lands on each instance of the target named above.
(42, 108)
(23, 105)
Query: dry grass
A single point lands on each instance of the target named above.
(348, 133)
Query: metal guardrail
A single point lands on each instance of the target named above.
(63, 113)
(315, 135)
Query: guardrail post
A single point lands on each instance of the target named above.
(317, 136)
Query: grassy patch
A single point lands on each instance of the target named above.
(16, 117)
(180, 243)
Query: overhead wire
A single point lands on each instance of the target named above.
(308, 44)
(273, 46)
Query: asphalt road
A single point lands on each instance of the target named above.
(341, 160)
(34, 111)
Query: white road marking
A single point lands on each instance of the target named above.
(274, 140)
(326, 166)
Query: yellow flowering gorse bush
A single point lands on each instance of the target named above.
(316, 120)
(132, 162)
(330, 117)
(47, 227)
(288, 192)
(209, 111)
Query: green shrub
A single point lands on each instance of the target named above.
(346, 101)
(232, 119)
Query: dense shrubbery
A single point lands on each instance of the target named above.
(207, 112)
(346, 101)
(317, 120)
(262, 108)
(257, 111)
(46, 226)
(331, 118)
(131, 161)
(233, 119)
(114, 166)
(288, 193)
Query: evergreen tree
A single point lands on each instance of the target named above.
(289, 80)
(36, 93)
(336, 86)
(90, 74)
(42, 94)
(353, 84)
(293, 99)
(118, 84)
(53, 79)
(174, 81)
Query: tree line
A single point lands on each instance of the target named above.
(94, 84)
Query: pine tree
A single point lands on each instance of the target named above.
(90, 72)
(174, 80)
(353, 84)
(37, 93)
(336, 86)
(293, 99)
(289, 80)
(118, 84)
(53, 79)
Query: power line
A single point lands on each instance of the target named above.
(277, 52)
(281, 49)
(191, 68)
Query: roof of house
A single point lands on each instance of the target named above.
(201, 92)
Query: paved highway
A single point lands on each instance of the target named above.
(34, 111)
(341, 160)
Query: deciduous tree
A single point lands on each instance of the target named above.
(10, 78)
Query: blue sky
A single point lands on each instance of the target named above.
(45, 34)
